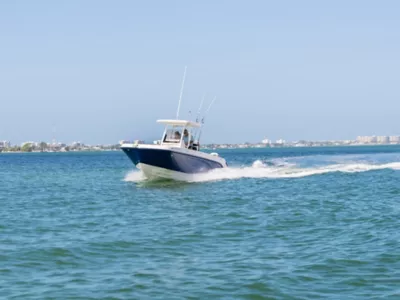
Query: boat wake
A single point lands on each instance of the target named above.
(283, 169)
(261, 170)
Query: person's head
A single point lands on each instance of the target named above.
(185, 132)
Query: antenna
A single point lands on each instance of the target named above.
(180, 97)
(201, 105)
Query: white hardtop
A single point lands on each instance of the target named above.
(183, 123)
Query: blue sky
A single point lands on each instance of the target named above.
(101, 71)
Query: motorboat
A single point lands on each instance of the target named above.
(176, 156)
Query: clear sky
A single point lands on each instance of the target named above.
(102, 71)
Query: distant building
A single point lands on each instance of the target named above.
(5, 144)
(361, 139)
(382, 139)
(280, 142)
(265, 141)
(76, 144)
(367, 139)
(54, 146)
(394, 139)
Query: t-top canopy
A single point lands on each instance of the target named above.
(180, 123)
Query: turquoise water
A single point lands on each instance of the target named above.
(299, 223)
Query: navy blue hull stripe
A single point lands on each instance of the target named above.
(171, 160)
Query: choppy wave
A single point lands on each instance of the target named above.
(260, 169)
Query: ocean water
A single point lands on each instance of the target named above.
(295, 223)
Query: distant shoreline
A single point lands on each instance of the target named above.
(50, 152)
(305, 146)
(228, 147)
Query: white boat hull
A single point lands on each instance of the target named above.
(156, 173)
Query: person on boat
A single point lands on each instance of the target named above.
(177, 135)
(186, 137)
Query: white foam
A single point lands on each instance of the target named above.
(135, 176)
(260, 170)
(259, 164)
(279, 169)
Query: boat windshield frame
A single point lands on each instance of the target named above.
(170, 137)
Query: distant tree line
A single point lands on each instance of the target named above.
(42, 147)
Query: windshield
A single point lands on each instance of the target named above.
(173, 134)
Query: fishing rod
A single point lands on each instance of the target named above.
(180, 97)
(208, 109)
(199, 111)
(203, 119)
